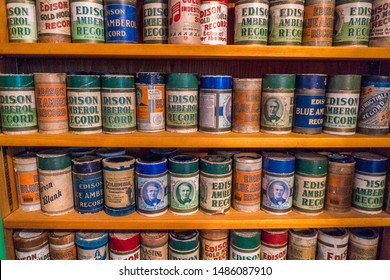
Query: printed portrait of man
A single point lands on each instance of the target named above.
(273, 110)
(151, 193)
(183, 193)
(278, 192)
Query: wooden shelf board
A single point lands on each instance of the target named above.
(197, 140)
(199, 220)
(171, 51)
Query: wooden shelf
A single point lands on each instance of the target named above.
(199, 220)
(228, 52)
(197, 140)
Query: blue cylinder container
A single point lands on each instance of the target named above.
(121, 21)
(88, 184)
(215, 104)
(370, 176)
(309, 103)
(278, 182)
(152, 185)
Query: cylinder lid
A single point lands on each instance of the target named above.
(154, 238)
(370, 162)
(183, 164)
(182, 80)
(91, 239)
(53, 159)
(87, 164)
(83, 81)
(17, 81)
(124, 241)
(61, 237)
(24, 239)
(311, 81)
(151, 165)
(278, 162)
(344, 82)
(311, 163)
(274, 237)
(118, 81)
(216, 164)
(150, 78)
(216, 82)
(184, 240)
(245, 239)
(279, 81)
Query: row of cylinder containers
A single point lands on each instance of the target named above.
(259, 22)
(182, 103)
(281, 244)
(274, 182)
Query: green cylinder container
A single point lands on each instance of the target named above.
(182, 102)
(277, 102)
(215, 184)
(22, 22)
(17, 104)
(352, 23)
(251, 22)
(155, 21)
(87, 21)
(341, 104)
(118, 104)
(244, 245)
(84, 104)
(310, 181)
(183, 178)
(286, 22)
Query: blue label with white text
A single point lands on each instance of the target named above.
(309, 111)
(88, 192)
(121, 23)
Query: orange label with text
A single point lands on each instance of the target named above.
(51, 102)
(318, 23)
(247, 186)
(150, 99)
(28, 188)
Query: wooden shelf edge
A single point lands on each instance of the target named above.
(171, 51)
(233, 220)
(198, 139)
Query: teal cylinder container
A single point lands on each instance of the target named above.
(277, 102)
(17, 104)
(215, 184)
(84, 104)
(182, 102)
(118, 104)
(183, 178)
(341, 104)
(310, 180)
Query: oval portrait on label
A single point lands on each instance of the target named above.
(152, 193)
